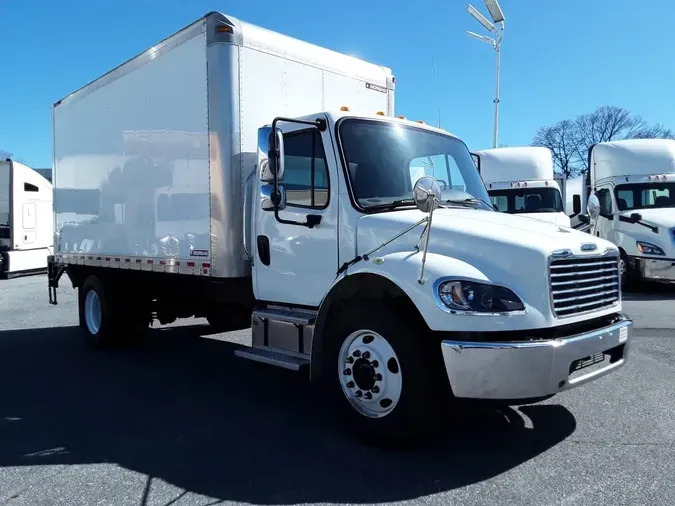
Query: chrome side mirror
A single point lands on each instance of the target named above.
(268, 197)
(593, 207)
(427, 193)
(270, 160)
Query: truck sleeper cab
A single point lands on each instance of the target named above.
(356, 245)
(521, 180)
(633, 204)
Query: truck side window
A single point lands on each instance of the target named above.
(605, 201)
(306, 173)
(27, 187)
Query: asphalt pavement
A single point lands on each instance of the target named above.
(178, 420)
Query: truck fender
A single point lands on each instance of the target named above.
(392, 274)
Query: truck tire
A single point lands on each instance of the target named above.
(381, 374)
(97, 314)
(627, 273)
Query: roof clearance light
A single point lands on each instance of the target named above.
(344, 108)
(421, 122)
(379, 113)
(400, 117)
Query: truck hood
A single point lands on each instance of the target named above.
(556, 218)
(508, 250)
(661, 217)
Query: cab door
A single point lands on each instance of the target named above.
(296, 264)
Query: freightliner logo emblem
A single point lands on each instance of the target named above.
(588, 246)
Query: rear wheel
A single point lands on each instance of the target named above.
(104, 317)
(379, 372)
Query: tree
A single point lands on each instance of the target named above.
(561, 140)
(570, 140)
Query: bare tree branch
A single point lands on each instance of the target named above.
(570, 140)
(560, 139)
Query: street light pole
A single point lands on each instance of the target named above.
(495, 128)
(497, 19)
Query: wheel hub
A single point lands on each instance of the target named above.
(364, 374)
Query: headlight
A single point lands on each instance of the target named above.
(479, 297)
(649, 249)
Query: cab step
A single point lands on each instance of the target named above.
(295, 316)
(269, 356)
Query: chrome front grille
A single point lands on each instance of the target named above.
(584, 284)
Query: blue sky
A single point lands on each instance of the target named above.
(559, 57)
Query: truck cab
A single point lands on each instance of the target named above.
(371, 268)
(633, 204)
(521, 180)
(26, 220)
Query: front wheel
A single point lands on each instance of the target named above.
(379, 372)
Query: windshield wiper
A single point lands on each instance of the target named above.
(391, 205)
(469, 202)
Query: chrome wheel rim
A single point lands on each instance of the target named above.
(370, 373)
(92, 312)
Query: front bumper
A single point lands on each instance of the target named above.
(655, 270)
(533, 369)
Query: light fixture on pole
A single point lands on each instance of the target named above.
(497, 28)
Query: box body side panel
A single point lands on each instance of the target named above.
(131, 161)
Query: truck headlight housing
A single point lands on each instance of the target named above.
(478, 297)
(647, 248)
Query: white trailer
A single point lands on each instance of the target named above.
(319, 233)
(26, 220)
(633, 204)
(521, 180)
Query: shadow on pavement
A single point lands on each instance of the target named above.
(187, 411)
(649, 291)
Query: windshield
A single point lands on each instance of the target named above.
(644, 196)
(527, 200)
(386, 159)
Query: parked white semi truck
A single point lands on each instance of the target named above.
(633, 204)
(320, 233)
(521, 180)
(26, 220)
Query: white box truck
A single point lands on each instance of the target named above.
(237, 174)
(521, 180)
(26, 220)
(633, 204)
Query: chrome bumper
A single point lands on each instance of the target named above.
(656, 270)
(531, 369)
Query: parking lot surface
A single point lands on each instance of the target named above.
(178, 420)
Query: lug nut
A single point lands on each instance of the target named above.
(350, 360)
(375, 363)
(358, 393)
(375, 389)
(368, 396)
(366, 354)
(348, 372)
(378, 377)
(350, 384)
(357, 353)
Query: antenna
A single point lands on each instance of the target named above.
(438, 105)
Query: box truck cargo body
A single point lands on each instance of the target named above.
(633, 204)
(259, 181)
(26, 220)
(521, 180)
